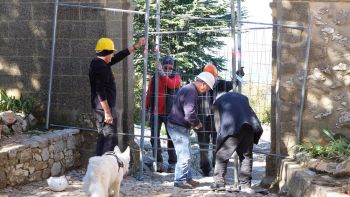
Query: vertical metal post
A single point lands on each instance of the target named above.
(303, 89)
(239, 41)
(278, 79)
(156, 90)
(233, 36)
(53, 47)
(145, 63)
(234, 78)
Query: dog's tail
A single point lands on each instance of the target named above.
(91, 183)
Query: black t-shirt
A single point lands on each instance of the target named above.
(102, 80)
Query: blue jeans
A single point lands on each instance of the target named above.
(181, 140)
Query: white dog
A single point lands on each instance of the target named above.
(105, 173)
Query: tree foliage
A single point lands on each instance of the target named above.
(191, 51)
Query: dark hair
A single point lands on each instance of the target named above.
(104, 52)
(168, 60)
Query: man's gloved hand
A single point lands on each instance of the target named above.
(148, 116)
(240, 72)
(160, 69)
(198, 126)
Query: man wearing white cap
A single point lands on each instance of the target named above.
(182, 118)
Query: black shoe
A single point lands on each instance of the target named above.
(205, 173)
(183, 185)
(160, 167)
(193, 183)
(218, 186)
(171, 168)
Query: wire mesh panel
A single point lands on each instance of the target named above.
(196, 42)
(256, 59)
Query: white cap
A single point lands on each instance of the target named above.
(57, 184)
(208, 78)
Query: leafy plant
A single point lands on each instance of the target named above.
(337, 147)
(259, 100)
(21, 105)
(266, 116)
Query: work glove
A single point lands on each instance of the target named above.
(148, 116)
(240, 72)
(160, 69)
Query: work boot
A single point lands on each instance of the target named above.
(247, 189)
(218, 186)
(193, 183)
(160, 167)
(183, 185)
(205, 173)
(171, 168)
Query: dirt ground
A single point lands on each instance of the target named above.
(153, 184)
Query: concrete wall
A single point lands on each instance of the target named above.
(25, 48)
(328, 78)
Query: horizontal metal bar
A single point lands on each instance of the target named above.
(88, 129)
(140, 12)
(254, 28)
(188, 31)
(191, 17)
(101, 8)
(273, 24)
(213, 145)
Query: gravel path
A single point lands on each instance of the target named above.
(152, 184)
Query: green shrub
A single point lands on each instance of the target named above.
(259, 99)
(265, 116)
(337, 147)
(20, 105)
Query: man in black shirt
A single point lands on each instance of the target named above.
(238, 128)
(103, 90)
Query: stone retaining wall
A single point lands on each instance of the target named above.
(40, 157)
(298, 181)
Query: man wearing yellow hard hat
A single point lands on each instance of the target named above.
(103, 90)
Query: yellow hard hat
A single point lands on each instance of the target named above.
(105, 44)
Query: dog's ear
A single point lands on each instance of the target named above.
(127, 152)
(116, 149)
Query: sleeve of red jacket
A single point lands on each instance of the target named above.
(173, 83)
(148, 95)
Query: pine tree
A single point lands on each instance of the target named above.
(191, 51)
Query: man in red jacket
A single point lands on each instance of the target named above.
(168, 83)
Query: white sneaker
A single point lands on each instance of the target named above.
(248, 190)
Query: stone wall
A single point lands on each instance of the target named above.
(25, 49)
(40, 157)
(327, 93)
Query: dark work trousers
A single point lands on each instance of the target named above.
(107, 133)
(205, 134)
(243, 144)
(172, 154)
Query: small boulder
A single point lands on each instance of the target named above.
(7, 117)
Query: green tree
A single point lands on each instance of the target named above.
(191, 51)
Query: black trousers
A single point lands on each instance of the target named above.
(172, 154)
(243, 144)
(107, 133)
(204, 135)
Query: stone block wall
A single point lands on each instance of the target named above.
(40, 157)
(25, 50)
(327, 75)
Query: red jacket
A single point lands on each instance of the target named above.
(163, 84)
